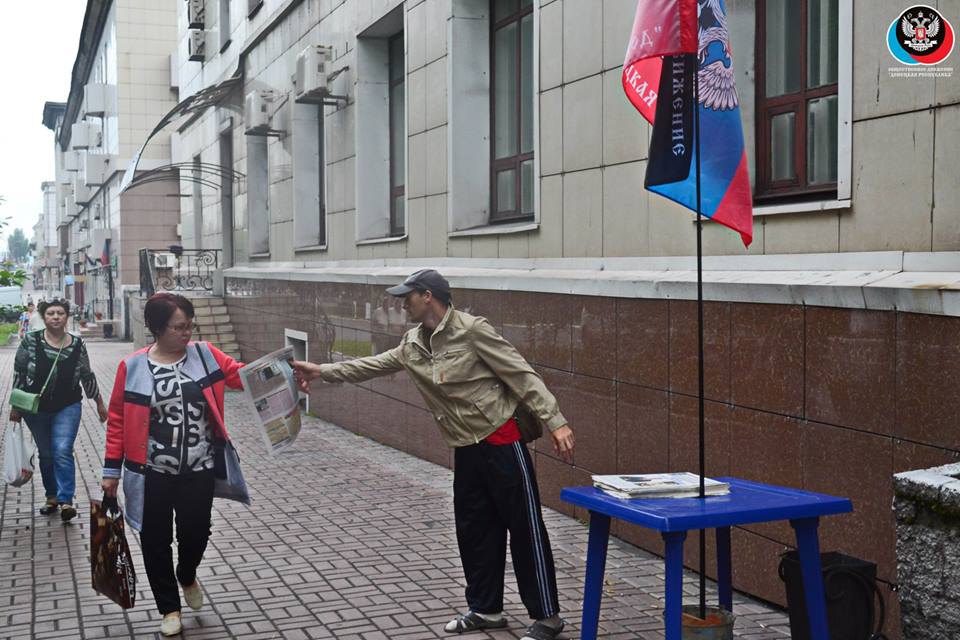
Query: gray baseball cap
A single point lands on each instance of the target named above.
(424, 280)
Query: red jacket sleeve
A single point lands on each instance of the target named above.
(229, 366)
(113, 451)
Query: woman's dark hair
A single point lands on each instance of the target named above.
(159, 309)
(46, 304)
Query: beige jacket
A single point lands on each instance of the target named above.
(470, 377)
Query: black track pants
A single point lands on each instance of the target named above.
(495, 491)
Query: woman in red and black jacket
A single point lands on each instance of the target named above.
(166, 433)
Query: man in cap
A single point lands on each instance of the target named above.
(473, 380)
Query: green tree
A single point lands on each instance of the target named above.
(18, 246)
(8, 276)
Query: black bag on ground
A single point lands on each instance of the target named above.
(852, 598)
(111, 566)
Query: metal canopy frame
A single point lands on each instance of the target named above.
(208, 171)
(194, 106)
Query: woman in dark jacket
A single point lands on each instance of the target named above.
(55, 425)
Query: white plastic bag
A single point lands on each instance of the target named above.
(17, 455)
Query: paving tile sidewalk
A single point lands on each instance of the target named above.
(345, 539)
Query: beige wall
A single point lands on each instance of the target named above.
(592, 145)
(148, 219)
(146, 36)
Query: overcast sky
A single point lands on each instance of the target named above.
(38, 44)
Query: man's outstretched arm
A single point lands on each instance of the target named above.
(356, 370)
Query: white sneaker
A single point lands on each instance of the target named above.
(193, 595)
(171, 625)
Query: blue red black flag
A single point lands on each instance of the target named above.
(673, 44)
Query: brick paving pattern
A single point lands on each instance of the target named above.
(346, 539)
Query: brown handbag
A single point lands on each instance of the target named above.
(111, 565)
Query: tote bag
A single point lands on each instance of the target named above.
(18, 454)
(111, 566)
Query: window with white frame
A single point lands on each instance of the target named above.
(381, 131)
(398, 134)
(258, 196)
(492, 120)
(224, 27)
(226, 196)
(197, 200)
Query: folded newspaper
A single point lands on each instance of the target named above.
(659, 485)
(271, 388)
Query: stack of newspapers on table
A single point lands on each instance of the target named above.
(659, 485)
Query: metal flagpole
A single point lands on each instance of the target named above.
(696, 133)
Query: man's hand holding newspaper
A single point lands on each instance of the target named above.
(272, 390)
(305, 372)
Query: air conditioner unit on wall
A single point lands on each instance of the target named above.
(82, 194)
(313, 65)
(197, 45)
(97, 169)
(71, 160)
(256, 112)
(164, 260)
(98, 237)
(99, 99)
(70, 207)
(85, 135)
(195, 14)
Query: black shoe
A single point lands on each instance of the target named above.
(470, 621)
(67, 513)
(49, 507)
(540, 631)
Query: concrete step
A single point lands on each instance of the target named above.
(213, 327)
(91, 331)
(211, 310)
(216, 340)
(211, 321)
(206, 302)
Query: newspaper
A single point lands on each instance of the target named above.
(659, 485)
(272, 390)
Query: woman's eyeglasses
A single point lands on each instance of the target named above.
(182, 328)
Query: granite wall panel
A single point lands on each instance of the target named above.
(829, 400)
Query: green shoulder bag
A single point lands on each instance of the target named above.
(27, 402)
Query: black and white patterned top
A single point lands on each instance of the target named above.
(180, 440)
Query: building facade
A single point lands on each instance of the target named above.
(47, 277)
(492, 140)
(120, 84)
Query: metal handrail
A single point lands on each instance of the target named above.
(188, 270)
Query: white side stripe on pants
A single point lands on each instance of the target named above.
(539, 559)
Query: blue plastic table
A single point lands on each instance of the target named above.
(747, 503)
